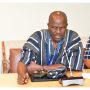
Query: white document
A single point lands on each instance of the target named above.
(86, 75)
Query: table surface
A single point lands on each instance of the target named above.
(10, 80)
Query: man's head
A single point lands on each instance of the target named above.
(57, 25)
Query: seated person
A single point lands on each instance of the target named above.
(51, 48)
(87, 54)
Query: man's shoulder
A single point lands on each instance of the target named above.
(72, 32)
(73, 35)
(39, 34)
(41, 31)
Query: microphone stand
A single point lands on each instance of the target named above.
(69, 64)
(71, 80)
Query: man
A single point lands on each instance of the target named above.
(50, 49)
(87, 54)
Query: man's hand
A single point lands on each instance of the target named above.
(22, 73)
(33, 67)
(22, 78)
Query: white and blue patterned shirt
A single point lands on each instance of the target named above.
(70, 52)
(87, 51)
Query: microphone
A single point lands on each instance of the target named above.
(71, 80)
(68, 62)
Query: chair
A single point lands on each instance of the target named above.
(14, 59)
(11, 51)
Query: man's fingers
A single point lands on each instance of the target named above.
(26, 77)
(22, 79)
(26, 81)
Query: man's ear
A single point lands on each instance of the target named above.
(67, 24)
(48, 24)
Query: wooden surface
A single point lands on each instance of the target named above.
(10, 80)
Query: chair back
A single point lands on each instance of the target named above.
(11, 51)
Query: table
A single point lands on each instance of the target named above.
(10, 80)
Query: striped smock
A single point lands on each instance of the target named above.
(68, 52)
(87, 51)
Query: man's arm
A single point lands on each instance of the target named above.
(75, 52)
(53, 67)
(21, 68)
(33, 67)
(28, 54)
(22, 73)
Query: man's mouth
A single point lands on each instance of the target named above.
(57, 37)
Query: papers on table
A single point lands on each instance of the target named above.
(86, 75)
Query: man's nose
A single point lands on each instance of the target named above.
(58, 30)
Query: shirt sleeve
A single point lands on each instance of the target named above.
(31, 48)
(75, 53)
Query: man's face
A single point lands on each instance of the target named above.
(57, 28)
